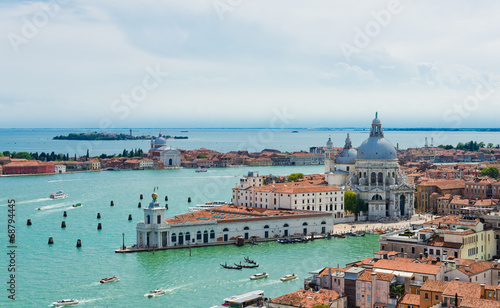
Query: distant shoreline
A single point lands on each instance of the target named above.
(424, 129)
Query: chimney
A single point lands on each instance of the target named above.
(496, 262)
(483, 294)
(467, 268)
(457, 262)
(405, 255)
(476, 259)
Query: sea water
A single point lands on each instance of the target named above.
(224, 140)
(46, 273)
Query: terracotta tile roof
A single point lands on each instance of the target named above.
(334, 270)
(307, 299)
(462, 289)
(476, 267)
(434, 286)
(407, 267)
(475, 302)
(411, 299)
(230, 213)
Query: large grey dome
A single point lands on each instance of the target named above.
(377, 147)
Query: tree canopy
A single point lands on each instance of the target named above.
(491, 171)
(294, 177)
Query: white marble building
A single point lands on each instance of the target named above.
(373, 173)
(169, 156)
(222, 225)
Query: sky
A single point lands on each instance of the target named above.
(249, 63)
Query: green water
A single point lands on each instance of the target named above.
(46, 273)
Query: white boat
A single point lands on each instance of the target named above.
(201, 169)
(154, 293)
(65, 302)
(259, 276)
(58, 195)
(207, 206)
(288, 277)
(109, 279)
(249, 299)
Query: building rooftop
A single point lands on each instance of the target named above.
(230, 213)
(307, 299)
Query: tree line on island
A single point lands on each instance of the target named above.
(109, 137)
(472, 146)
(65, 157)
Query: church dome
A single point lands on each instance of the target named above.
(160, 141)
(376, 147)
(329, 143)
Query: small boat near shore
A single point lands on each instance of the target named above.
(248, 260)
(58, 195)
(109, 279)
(201, 169)
(288, 277)
(207, 206)
(246, 265)
(157, 292)
(65, 302)
(237, 267)
(259, 276)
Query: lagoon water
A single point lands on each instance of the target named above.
(46, 273)
(224, 140)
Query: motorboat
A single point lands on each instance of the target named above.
(109, 279)
(246, 265)
(58, 195)
(288, 277)
(259, 276)
(154, 293)
(77, 205)
(201, 169)
(65, 302)
(249, 299)
(207, 206)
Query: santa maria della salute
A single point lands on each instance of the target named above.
(372, 173)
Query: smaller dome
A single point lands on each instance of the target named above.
(155, 196)
(376, 121)
(329, 143)
(347, 156)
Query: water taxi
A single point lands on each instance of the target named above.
(288, 277)
(259, 276)
(65, 302)
(58, 195)
(154, 293)
(201, 169)
(109, 279)
(249, 299)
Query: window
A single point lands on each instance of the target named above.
(357, 296)
(369, 298)
(212, 234)
(198, 235)
(426, 296)
(436, 297)
(174, 237)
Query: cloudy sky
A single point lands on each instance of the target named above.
(249, 63)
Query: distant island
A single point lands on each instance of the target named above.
(109, 136)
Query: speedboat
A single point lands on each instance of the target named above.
(65, 302)
(77, 205)
(201, 169)
(154, 293)
(58, 195)
(109, 279)
(259, 276)
(288, 277)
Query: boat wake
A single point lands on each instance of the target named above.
(53, 206)
(34, 200)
